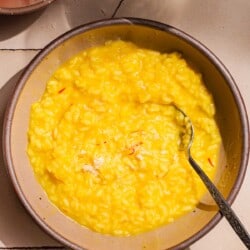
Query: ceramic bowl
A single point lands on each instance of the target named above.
(230, 115)
(18, 7)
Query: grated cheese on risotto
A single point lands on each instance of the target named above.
(105, 143)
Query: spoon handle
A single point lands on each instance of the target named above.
(223, 205)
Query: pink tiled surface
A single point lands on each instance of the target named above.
(223, 26)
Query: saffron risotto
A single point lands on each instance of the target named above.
(105, 142)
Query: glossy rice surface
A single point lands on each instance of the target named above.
(105, 141)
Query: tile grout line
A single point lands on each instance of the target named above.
(117, 8)
(38, 49)
(34, 247)
(19, 49)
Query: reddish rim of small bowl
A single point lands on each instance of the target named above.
(25, 9)
(151, 24)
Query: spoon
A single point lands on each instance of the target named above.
(223, 205)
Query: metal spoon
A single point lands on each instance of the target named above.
(223, 205)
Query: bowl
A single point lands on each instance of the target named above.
(231, 118)
(17, 7)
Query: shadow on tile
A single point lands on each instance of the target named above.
(13, 25)
(16, 227)
(80, 12)
(5, 93)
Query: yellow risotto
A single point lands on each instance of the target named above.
(105, 141)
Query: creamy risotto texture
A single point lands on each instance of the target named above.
(105, 142)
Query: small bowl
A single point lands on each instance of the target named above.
(14, 7)
(231, 119)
